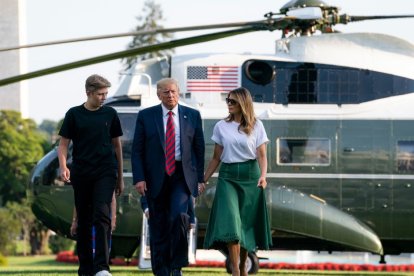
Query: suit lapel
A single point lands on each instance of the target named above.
(159, 124)
(183, 126)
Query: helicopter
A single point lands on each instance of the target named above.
(336, 108)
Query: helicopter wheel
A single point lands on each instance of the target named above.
(252, 264)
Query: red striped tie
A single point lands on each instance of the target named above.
(170, 145)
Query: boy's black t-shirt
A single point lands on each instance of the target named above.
(91, 133)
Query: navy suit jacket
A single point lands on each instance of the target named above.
(148, 148)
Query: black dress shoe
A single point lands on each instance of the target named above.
(163, 272)
(176, 272)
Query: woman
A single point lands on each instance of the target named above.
(238, 218)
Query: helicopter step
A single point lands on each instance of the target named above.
(144, 261)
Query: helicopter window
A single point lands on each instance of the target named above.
(302, 86)
(46, 172)
(338, 86)
(405, 156)
(297, 151)
(307, 83)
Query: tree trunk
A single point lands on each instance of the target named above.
(44, 242)
(39, 240)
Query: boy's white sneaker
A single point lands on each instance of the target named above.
(103, 273)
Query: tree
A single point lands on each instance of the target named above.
(151, 20)
(49, 128)
(9, 231)
(22, 214)
(21, 146)
(39, 239)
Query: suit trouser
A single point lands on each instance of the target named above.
(169, 224)
(93, 197)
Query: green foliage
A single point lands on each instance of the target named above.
(152, 16)
(58, 243)
(59, 125)
(3, 260)
(9, 232)
(48, 126)
(22, 213)
(33, 235)
(49, 129)
(20, 149)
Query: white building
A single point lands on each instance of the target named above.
(13, 33)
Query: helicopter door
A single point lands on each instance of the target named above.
(364, 163)
(403, 170)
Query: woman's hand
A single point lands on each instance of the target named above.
(262, 182)
(119, 188)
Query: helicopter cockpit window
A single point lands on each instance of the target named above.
(405, 156)
(308, 152)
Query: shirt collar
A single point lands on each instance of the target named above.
(165, 110)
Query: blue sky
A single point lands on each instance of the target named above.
(51, 96)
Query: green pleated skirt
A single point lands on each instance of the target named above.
(239, 212)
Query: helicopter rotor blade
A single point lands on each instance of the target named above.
(344, 19)
(136, 33)
(127, 53)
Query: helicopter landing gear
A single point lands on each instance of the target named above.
(382, 259)
(252, 263)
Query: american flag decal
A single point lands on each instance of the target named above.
(212, 78)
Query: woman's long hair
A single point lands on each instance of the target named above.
(248, 119)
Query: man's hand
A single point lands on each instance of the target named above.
(141, 187)
(65, 174)
(113, 224)
(201, 188)
(74, 227)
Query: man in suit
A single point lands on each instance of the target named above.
(168, 167)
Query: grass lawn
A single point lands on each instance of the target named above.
(46, 265)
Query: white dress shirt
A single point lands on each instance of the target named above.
(177, 128)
